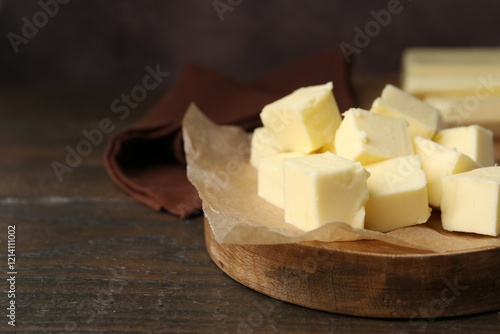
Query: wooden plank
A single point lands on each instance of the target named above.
(92, 259)
(145, 274)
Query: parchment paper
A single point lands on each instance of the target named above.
(218, 166)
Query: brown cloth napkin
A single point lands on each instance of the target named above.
(147, 159)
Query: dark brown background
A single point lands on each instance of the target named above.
(99, 44)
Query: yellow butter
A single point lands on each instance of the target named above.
(369, 137)
(481, 109)
(437, 162)
(441, 71)
(270, 177)
(398, 194)
(470, 201)
(324, 188)
(473, 141)
(303, 121)
(422, 118)
(262, 145)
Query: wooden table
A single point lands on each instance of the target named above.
(91, 259)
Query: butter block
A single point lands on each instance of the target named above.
(324, 188)
(470, 201)
(437, 162)
(303, 121)
(270, 177)
(398, 194)
(458, 110)
(262, 145)
(368, 137)
(422, 118)
(473, 141)
(442, 71)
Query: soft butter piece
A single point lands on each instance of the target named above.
(470, 201)
(303, 121)
(437, 162)
(422, 118)
(270, 177)
(473, 141)
(324, 188)
(262, 145)
(369, 137)
(398, 194)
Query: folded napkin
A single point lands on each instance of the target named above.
(147, 159)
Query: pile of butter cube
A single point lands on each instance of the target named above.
(381, 169)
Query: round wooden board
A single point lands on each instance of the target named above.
(365, 278)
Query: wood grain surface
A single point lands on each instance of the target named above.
(92, 260)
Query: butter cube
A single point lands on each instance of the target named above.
(398, 194)
(470, 201)
(369, 137)
(437, 162)
(324, 188)
(473, 141)
(303, 121)
(262, 145)
(270, 177)
(422, 118)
